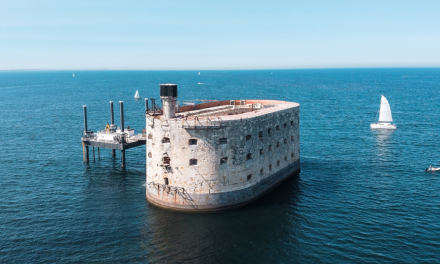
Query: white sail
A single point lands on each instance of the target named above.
(137, 95)
(385, 111)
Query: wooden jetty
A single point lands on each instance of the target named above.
(112, 137)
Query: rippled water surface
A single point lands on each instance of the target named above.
(361, 196)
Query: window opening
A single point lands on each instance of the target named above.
(165, 180)
(291, 138)
(261, 172)
(278, 144)
(285, 141)
(192, 141)
(223, 141)
(165, 140)
(150, 136)
(192, 162)
(224, 160)
(269, 131)
(260, 134)
(149, 154)
(285, 125)
(249, 177)
(261, 151)
(278, 163)
(270, 167)
(270, 147)
(291, 123)
(249, 156)
(166, 160)
(248, 137)
(277, 128)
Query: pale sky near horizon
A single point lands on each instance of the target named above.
(224, 34)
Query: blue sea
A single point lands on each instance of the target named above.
(362, 196)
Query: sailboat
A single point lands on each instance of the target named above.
(385, 117)
(74, 75)
(136, 96)
(199, 73)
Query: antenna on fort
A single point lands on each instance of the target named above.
(168, 94)
(146, 105)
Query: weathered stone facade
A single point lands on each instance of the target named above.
(221, 161)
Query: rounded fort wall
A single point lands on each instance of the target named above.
(236, 155)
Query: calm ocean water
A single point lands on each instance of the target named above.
(362, 196)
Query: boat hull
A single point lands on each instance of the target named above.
(383, 126)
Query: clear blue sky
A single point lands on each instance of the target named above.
(223, 34)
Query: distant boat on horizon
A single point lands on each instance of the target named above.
(385, 117)
(199, 73)
(137, 96)
(74, 75)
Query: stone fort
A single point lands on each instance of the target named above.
(219, 154)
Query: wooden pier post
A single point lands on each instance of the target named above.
(112, 122)
(99, 157)
(93, 154)
(86, 156)
(121, 106)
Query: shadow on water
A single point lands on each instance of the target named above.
(247, 234)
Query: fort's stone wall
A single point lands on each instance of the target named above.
(221, 166)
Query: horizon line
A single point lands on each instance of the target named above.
(227, 69)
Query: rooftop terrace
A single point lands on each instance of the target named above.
(232, 109)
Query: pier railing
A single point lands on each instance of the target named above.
(202, 123)
(90, 136)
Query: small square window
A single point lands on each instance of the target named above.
(192, 141)
(249, 156)
(192, 162)
(269, 131)
(223, 160)
(285, 158)
(278, 144)
(249, 177)
(270, 147)
(261, 172)
(278, 163)
(285, 125)
(291, 123)
(277, 128)
(223, 141)
(165, 140)
(248, 137)
(260, 134)
(261, 151)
